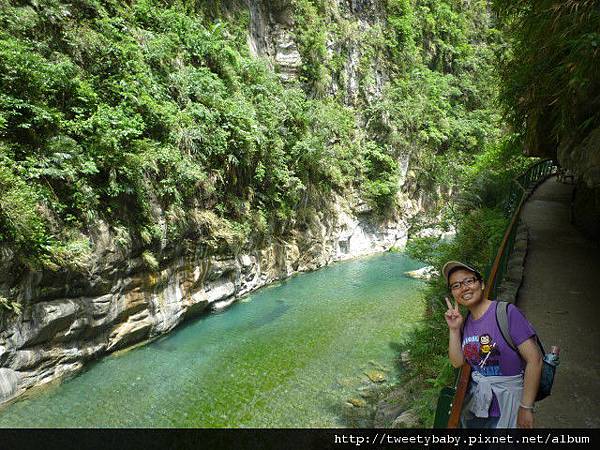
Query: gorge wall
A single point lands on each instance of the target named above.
(556, 111)
(70, 318)
(582, 158)
(118, 298)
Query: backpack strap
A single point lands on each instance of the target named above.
(502, 321)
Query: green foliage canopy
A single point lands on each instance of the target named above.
(551, 70)
(139, 113)
(149, 115)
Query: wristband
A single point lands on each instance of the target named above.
(531, 408)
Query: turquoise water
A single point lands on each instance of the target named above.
(288, 355)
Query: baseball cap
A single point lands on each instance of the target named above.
(451, 265)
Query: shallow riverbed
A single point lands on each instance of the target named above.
(288, 355)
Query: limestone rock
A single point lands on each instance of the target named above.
(48, 318)
(70, 317)
(425, 273)
(390, 407)
(376, 376)
(369, 392)
(196, 304)
(386, 414)
(9, 380)
(134, 330)
(408, 419)
(583, 159)
(219, 290)
(100, 305)
(357, 402)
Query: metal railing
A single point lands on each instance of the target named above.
(451, 399)
(521, 188)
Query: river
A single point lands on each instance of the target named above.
(288, 355)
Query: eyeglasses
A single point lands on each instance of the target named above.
(468, 282)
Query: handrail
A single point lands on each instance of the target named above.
(527, 182)
(465, 371)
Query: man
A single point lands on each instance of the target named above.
(512, 376)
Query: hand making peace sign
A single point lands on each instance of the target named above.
(454, 318)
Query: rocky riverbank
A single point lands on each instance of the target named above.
(70, 317)
(381, 403)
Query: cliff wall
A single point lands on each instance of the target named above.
(70, 318)
(119, 297)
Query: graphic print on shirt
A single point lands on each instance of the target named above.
(482, 353)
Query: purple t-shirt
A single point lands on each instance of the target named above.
(487, 352)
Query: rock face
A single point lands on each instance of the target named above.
(582, 157)
(513, 276)
(69, 318)
(121, 298)
(273, 36)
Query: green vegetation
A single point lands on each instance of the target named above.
(154, 118)
(549, 77)
(480, 221)
(8, 305)
(144, 114)
(551, 70)
(449, 114)
(440, 107)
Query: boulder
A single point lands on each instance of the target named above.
(376, 376)
(425, 273)
(408, 419)
(390, 407)
(9, 381)
(357, 402)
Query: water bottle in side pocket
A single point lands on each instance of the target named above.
(551, 362)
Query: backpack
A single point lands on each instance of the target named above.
(548, 368)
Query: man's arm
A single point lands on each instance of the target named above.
(530, 352)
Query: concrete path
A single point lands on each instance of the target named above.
(560, 295)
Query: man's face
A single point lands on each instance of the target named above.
(470, 291)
